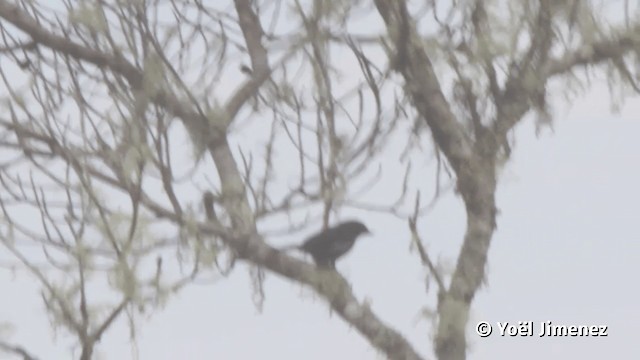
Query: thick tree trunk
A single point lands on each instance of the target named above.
(478, 193)
(471, 156)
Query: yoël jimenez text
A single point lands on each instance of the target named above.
(547, 328)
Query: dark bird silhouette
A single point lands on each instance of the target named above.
(329, 245)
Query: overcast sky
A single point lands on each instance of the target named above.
(567, 250)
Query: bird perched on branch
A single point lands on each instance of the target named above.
(329, 245)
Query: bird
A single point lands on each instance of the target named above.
(330, 244)
(246, 70)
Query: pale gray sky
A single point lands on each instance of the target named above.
(567, 249)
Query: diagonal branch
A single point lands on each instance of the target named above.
(336, 291)
(18, 350)
(119, 65)
(524, 81)
(423, 85)
(331, 286)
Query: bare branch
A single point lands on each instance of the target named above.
(18, 350)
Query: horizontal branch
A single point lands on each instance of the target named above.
(592, 54)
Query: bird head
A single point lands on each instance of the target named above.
(356, 227)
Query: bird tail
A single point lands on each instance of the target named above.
(289, 247)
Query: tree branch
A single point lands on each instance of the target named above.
(423, 85)
(119, 65)
(524, 81)
(337, 291)
(474, 165)
(598, 52)
(18, 350)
